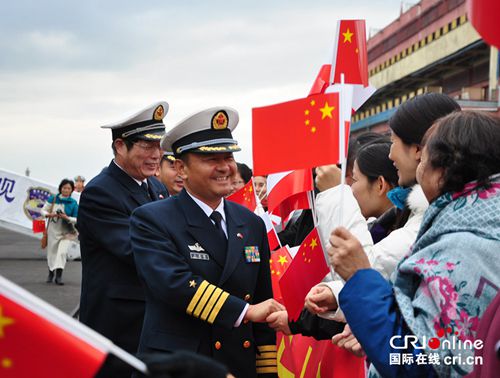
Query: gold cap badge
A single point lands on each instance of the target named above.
(219, 120)
(159, 112)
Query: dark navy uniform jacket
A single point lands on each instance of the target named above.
(193, 296)
(112, 298)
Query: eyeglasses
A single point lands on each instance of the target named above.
(148, 146)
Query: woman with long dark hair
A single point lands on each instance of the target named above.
(374, 176)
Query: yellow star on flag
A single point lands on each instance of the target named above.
(347, 36)
(4, 322)
(326, 111)
(313, 244)
(6, 363)
(282, 260)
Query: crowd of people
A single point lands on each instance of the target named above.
(170, 265)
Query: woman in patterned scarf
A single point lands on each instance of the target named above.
(424, 322)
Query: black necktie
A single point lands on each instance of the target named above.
(217, 218)
(144, 186)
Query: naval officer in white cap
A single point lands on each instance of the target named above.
(112, 298)
(205, 266)
(168, 174)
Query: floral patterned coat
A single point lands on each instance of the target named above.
(439, 291)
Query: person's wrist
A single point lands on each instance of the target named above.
(349, 275)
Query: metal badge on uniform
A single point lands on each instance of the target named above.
(252, 254)
(199, 256)
(196, 247)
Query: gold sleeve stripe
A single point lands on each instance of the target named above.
(266, 348)
(207, 300)
(262, 363)
(263, 356)
(203, 301)
(210, 304)
(218, 306)
(196, 297)
(265, 370)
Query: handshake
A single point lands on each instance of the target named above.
(260, 311)
(319, 300)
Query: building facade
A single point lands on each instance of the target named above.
(432, 47)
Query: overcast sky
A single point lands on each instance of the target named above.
(67, 67)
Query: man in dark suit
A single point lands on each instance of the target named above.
(204, 261)
(112, 298)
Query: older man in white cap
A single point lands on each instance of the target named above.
(112, 298)
(204, 260)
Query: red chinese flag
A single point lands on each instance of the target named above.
(272, 239)
(306, 357)
(483, 15)
(289, 192)
(322, 80)
(272, 236)
(339, 363)
(31, 345)
(285, 358)
(296, 134)
(307, 269)
(38, 225)
(350, 55)
(280, 260)
(245, 196)
(307, 354)
(296, 202)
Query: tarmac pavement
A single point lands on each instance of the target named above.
(23, 262)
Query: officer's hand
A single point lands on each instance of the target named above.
(279, 322)
(260, 311)
(327, 176)
(348, 341)
(320, 299)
